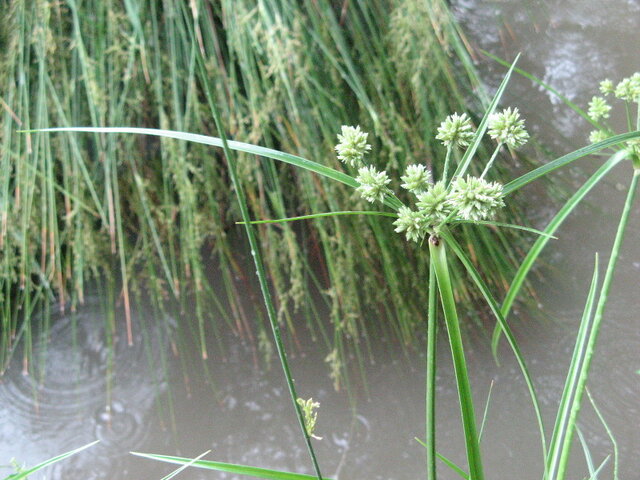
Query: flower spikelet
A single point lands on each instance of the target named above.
(606, 87)
(598, 108)
(507, 127)
(597, 136)
(629, 88)
(455, 130)
(373, 184)
(412, 222)
(310, 415)
(352, 145)
(434, 203)
(416, 179)
(476, 199)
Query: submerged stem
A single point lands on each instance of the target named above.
(437, 249)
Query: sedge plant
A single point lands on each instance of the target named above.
(436, 208)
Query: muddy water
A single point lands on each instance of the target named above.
(243, 415)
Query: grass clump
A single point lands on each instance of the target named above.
(144, 212)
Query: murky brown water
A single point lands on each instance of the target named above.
(244, 416)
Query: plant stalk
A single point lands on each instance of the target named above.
(431, 375)
(437, 249)
(597, 319)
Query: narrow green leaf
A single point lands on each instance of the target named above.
(228, 467)
(450, 463)
(563, 429)
(506, 225)
(536, 249)
(609, 433)
(484, 124)
(295, 160)
(493, 304)
(322, 215)
(185, 466)
(437, 250)
(46, 463)
(529, 177)
(597, 321)
(544, 85)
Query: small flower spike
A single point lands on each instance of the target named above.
(416, 179)
(373, 184)
(476, 199)
(310, 415)
(606, 87)
(352, 145)
(597, 136)
(455, 130)
(434, 204)
(629, 89)
(598, 108)
(507, 127)
(412, 222)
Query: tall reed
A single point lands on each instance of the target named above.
(288, 74)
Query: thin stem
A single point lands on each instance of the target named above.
(260, 271)
(447, 160)
(597, 320)
(438, 255)
(492, 159)
(431, 375)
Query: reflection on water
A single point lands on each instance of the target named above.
(243, 415)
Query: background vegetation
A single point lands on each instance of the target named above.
(286, 74)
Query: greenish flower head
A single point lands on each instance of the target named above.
(310, 415)
(434, 203)
(413, 223)
(416, 179)
(373, 184)
(352, 145)
(629, 88)
(606, 87)
(598, 108)
(455, 130)
(507, 127)
(598, 136)
(476, 199)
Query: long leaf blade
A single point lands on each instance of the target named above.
(565, 160)
(46, 463)
(493, 304)
(229, 467)
(294, 160)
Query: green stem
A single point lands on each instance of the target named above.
(447, 159)
(597, 319)
(431, 375)
(437, 249)
(260, 270)
(491, 160)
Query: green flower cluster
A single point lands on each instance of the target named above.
(507, 128)
(627, 90)
(352, 145)
(455, 130)
(436, 203)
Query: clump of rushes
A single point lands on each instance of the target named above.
(464, 199)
